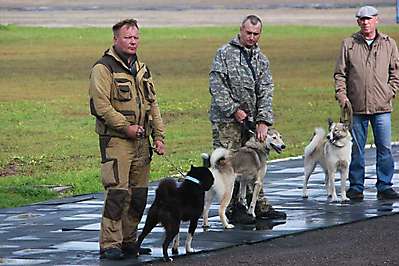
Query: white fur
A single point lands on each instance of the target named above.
(223, 186)
(332, 156)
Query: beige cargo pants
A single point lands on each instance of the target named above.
(125, 169)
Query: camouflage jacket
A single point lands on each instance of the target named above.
(232, 84)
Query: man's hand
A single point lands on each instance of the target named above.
(240, 116)
(159, 147)
(135, 132)
(261, 131)
(345, 103)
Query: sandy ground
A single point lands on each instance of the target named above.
(155, 13)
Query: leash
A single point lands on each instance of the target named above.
(172, 164)
(346, 114)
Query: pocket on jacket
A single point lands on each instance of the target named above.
(149, 90)
(109, 173)
(122, 90)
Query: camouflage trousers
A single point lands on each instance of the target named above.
(230, 136)
(125, 169)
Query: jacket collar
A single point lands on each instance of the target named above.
(236, 42)
(379, 36)
(112, 52)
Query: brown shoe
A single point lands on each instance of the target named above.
(387, 194)
(354, 195)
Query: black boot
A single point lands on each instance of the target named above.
(237, 214)
(112, 254)
(266, 211)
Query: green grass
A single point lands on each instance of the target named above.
(47, 134)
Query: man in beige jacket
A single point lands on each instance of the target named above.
(124, 102)
(367, 77)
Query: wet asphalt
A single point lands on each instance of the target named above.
(370, 242)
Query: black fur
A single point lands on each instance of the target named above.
(175, 202)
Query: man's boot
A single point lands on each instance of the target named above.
(263, 210)
(237, 214)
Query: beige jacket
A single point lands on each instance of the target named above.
(367, 76)
(118, 99)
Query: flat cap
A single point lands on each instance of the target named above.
(366, 12)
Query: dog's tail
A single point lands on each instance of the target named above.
(217, 155)
(318, 136)
(206, 160)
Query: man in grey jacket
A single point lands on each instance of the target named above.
(367, 77)
(241, 87)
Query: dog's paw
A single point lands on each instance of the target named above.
(167, 259)
(345, 200)
(305, 196)
(206, 227)
(189, 250)
(334, 199)
(229, 226)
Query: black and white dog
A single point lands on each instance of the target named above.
(175, 202)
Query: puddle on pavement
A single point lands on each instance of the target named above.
(260, 225)
(23, 216)
(77, 245)
(22, 261)
(33, 251)
(24, 238)
(81, 217)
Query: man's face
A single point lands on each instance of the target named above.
(250, 34)
(367, 25)
(127, 39)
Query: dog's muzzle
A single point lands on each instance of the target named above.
(278, 148)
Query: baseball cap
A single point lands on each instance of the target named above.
(367, 12)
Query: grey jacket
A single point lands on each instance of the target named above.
(232, 84)
(367, 76)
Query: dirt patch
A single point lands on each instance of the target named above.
(11, 168)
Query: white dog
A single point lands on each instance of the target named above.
(333, 153)
(247, 166)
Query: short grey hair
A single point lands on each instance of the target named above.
(254, 19)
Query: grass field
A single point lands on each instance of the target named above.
(47, 134)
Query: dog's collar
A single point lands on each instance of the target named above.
(336, 144)
(192, 179)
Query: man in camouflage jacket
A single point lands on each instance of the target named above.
(241, 87)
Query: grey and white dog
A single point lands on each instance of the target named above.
(247, 165)
(333, 154)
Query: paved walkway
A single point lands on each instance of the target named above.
(65, 232)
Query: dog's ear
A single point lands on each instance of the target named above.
(330, 122)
